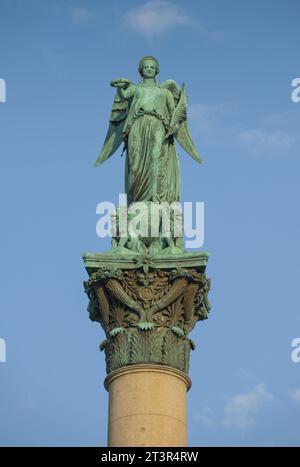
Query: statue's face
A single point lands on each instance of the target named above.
(149, 69)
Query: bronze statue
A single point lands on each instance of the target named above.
(147, 117)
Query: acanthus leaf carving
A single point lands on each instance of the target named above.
(147, 316)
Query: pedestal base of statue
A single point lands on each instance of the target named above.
(147, 305)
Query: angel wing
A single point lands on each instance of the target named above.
(114, 135)
(179, 119)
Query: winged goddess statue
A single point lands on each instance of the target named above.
(148, 117)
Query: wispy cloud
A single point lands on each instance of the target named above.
(205, 116)
(205, 417)
(265, 141)
(156, 17)
(220, 124)
(295, 395)
(241, 409)
(81, 16)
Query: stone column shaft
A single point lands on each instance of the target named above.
(147, 406)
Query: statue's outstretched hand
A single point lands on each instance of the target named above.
(120, 83)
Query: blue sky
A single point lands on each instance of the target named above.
(238, 60)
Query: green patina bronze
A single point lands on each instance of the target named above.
(147, 309)
(148, 293)
(147, 117)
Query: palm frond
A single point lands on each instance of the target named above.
(180, 112)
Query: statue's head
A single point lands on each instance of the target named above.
(148, 67)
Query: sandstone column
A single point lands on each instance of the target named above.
(147, 406)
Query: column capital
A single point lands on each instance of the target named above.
(147, 307)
